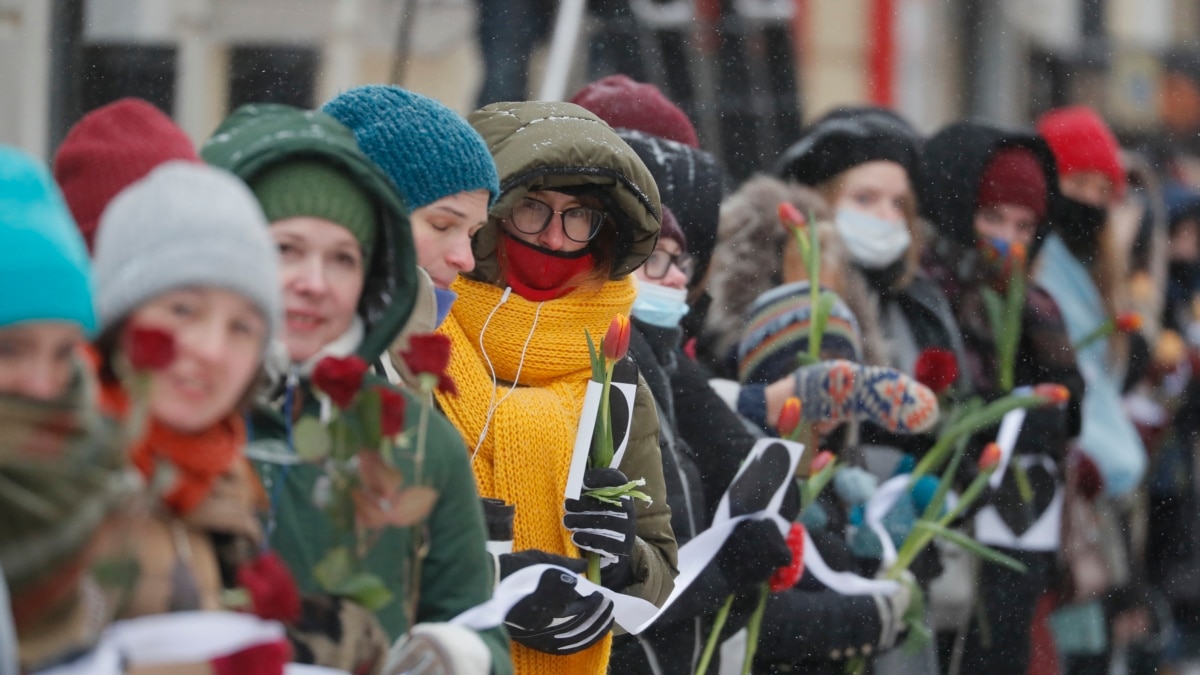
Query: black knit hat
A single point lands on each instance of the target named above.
(847, 137)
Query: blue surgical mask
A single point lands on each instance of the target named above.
(659, 305)
(873, 242)
(445, 298)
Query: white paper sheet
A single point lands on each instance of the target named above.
(583, 439)
(1046, 531)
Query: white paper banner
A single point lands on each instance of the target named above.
(632, 614)
(583, 439)
(1006, 438)
(878, 506)
(629, 392)
(1043, 535)
(846, 583)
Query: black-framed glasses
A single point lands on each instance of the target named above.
(659, 263)
(580, 223)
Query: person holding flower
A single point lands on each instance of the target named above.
(349, 281)
(55, 445)
(577, 214)
(987, 191)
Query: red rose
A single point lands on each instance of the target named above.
(786, 577)
(391, 411)
(1088, 479)
(428, 353)
(989, 459)
(936, 368)
(340, 379)
(272, 590)
(616, 340)
(268, 658)
(149, 348)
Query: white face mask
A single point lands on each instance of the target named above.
(659, 305)
(873, 242)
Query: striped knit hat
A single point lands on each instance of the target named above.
(776, 333)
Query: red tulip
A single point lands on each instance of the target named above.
(272, 589)
(936, 368)
(428, 353)
(789, 417)
(823, 459)
(990, 458)
(340, 378)
(791, 217)
(391, 411)
(1018, 253)
(786, 577)
(149, 348)
(616, 340)
(1129, 322)
(1054, 394)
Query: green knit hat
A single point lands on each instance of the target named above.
(311, 187)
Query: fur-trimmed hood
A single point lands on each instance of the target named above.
(750, 260)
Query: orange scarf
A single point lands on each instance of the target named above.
(198, 459)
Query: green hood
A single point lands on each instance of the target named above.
(543, 146)
(256, 137)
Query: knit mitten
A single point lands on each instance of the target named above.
(843, 390)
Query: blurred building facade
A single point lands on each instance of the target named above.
(932, 60)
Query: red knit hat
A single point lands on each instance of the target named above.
(670, 229)
(111, 147)
(1013, 176)
(1081, 141)
(626, 103)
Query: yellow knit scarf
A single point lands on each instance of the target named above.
(525, 457)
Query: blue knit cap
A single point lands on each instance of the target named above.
(44, 271)
(427, 149)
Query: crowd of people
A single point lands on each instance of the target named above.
(298, 398)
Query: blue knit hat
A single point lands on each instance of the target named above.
(427, 149)
(44, 272)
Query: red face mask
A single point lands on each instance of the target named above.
(539, 274)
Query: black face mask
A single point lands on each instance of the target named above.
(1080, 226)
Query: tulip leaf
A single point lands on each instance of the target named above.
(972, 546)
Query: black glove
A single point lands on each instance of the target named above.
(555, 619)
(751, 554)
(605, 529)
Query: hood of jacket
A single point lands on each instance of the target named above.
(748, 261)
(543, 146)
(257, 137)
(951, 167)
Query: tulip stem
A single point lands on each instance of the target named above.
(710, 647)
(754, 627)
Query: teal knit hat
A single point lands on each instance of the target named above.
(44, 272)
(311, 187)
(427, 149)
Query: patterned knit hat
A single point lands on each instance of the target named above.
(626, 103)
(1081, 141)
(108, 149)
(44, 270)
(776, 333)
(311, 187)
(427, 149)
(185, 225)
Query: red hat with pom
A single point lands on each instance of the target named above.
(110, 148)
(626, 103)
(1081, 141)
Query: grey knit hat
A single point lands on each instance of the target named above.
(185, 225)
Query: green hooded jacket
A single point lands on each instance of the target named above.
(456, 573)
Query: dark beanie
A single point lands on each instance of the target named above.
(110, 148)
(626, 103)
(1013, 175)
(670, 229)
(846, 138)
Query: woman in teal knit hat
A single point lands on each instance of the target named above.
(349, 279)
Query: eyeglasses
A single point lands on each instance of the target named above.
(580, 224)
(659, 263)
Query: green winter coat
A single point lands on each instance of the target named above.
(456, 573)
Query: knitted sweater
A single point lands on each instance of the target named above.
(524, 456)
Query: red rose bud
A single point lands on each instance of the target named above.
(936, 368)
(391, 411)
(340, 378)
(148, 348)
(1054, 394)
(789, 417)
(272, 589)
(1129, 322)
(428, 353)
(787, 577)
(791, 217)
(823, 459)
(990, 458)
(616, 340)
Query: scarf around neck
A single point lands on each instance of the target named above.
(525, 455)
